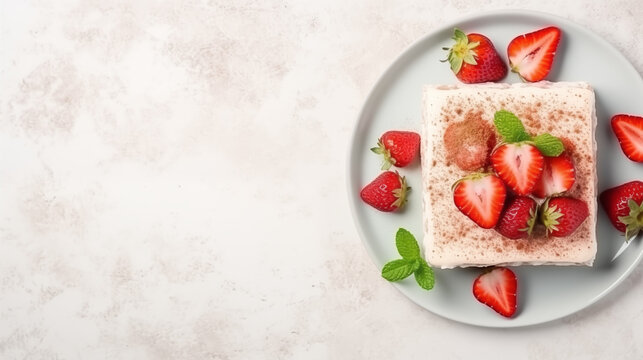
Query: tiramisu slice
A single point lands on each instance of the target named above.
(463, 145)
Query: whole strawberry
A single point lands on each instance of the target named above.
(518, 219)
(398, 148)
(629, 132)
(474, 59)
(563, 215)
(624, 207)
(387, 192)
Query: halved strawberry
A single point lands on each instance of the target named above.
(480, 197)
(497, 289)
(558, 176)
(629, 132)
(519, 165)
(531, 55)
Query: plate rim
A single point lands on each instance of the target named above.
(372, 95)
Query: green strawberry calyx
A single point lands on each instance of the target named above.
(380, 149)
(633, 221)
(531, 222)
(549, 216)
(461, 52)
(400, 193)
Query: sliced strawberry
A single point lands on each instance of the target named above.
(519, 165)
(629, 132)
(481, 198)
(558, 176)
(563, 215)
(497, 289)
(387, 192)
(518, 219)
(531, 55)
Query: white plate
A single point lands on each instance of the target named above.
(546, 292)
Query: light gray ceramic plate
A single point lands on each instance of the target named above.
(546, 292)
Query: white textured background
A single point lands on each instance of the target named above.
(172, 185)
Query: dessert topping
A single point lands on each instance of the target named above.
(519, 165)
(480, 196)
(563, 215)
(558, 176)
(518, 219)
(469, 142)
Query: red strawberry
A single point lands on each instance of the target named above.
(469, 142)
(629, 132)
(497, 289)
(387, 192)
(624, 207)
(519, 165)
(563, 215)
(398, 148)
(474, 59)
(518, 218)
(531, 55)
(558, 176)
(480, 197)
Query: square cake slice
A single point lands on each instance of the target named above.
(565, 110)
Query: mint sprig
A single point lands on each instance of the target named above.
(548, 145)
(512, 130)
(410, 263)
(510, 127)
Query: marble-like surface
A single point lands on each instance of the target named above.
(172, 185)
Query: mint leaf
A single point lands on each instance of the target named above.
(509, 127)
(399, 269)
(548, 145)
(406, 244)
(424, 276)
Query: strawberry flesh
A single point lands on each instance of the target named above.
(480, 197)
(629, 132)
(532, 55)
(497, 289)
(558, 176)
(519, 165)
